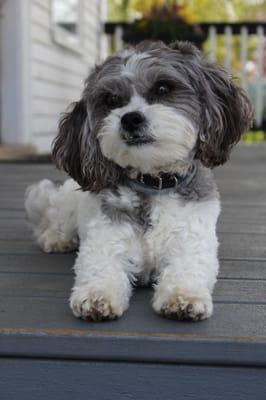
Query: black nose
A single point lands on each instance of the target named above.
(132, 121)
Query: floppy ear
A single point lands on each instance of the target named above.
(77, 151)
(226, 113)
(66, 146)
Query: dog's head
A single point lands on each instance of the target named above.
(152, 108)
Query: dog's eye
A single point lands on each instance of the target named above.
(113, 100)
(162, 88)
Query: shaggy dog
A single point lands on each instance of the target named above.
(140, 144)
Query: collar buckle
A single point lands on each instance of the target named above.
(160, 182)
(176, 180)
(158, 185)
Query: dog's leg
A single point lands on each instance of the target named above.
(184, 288)
(51, 210)
(186, 280)
(109, 257)
(183, 296)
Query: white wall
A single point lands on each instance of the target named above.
(58, 73)
(14, 72)
(39, 77)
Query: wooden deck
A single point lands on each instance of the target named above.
(45, 353)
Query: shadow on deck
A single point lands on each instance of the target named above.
(47, 353)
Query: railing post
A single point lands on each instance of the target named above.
(118, 38)
(259, 87)
(212, 38)
(243, 55)
(228, 47)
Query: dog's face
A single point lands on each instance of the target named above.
(145, 111)
(152, 108)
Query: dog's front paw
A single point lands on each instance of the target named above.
(97, 305)
(51, 243)
(182, 305)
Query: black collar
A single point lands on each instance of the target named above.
(162, 183)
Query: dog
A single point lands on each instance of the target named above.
(142, 204)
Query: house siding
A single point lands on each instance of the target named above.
(57, 72)
(15, 80)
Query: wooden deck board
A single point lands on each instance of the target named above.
(34, 287)
(231, 245)
(62, 264)
(59, 285)
(51, 314)
(56, 380)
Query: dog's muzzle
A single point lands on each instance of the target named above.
(133, 126)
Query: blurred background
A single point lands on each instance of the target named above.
(47, 48)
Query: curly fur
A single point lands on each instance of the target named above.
(192, 113)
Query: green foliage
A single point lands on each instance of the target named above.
(119, 10)
(198, 10)
(254, 137)
(227, 10)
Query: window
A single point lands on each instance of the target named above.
(66, 17)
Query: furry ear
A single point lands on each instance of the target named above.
(149, 45)
(226, 113)
(77, 151)
(67, 144)
(186, 48)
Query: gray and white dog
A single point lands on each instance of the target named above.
(151, 123)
